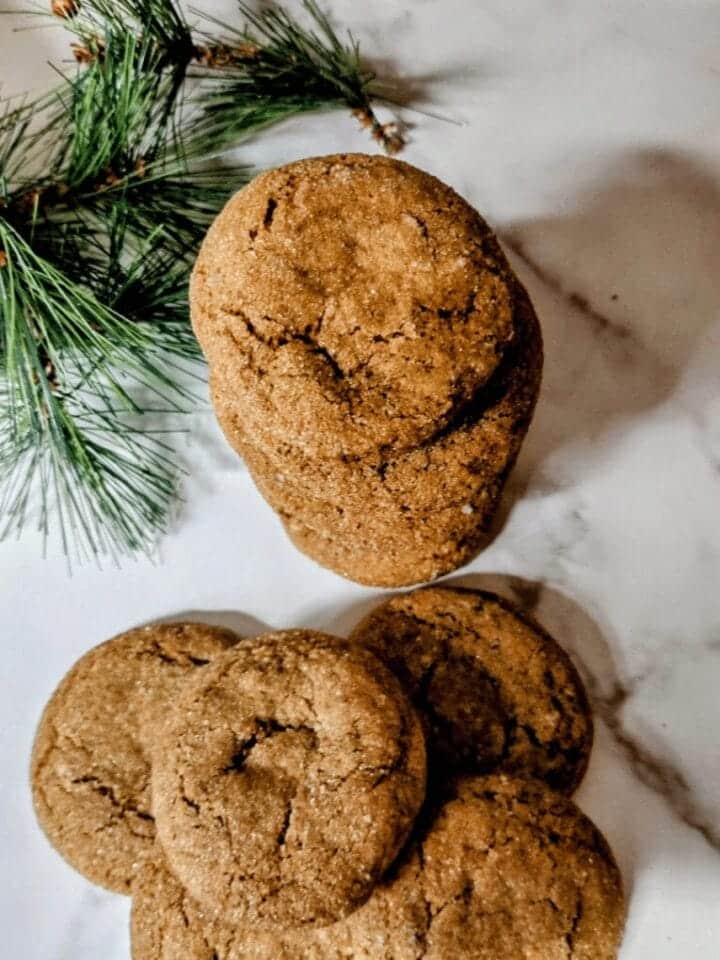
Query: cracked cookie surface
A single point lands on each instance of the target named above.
(352, 302)
(507, 870)
(399, 519)
(496, 691)
(476, 453)
(90, 770)
(287, 780)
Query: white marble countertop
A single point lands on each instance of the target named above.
(589, 134)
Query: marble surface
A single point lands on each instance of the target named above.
(589, 133)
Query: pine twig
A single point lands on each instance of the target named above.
(71, 372)
(275, 67)
(94, 336)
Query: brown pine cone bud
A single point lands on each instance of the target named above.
(65, 8)
(85, 54)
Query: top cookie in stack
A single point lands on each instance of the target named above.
(372, 357)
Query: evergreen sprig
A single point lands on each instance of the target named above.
(72, 367)
(274, 67)
(107, 186)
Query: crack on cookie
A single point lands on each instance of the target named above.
(105, 790)
(269, 212)
(307, 337)
(323, 352)
(575, 923)
(156, 652)
(485, 398)
(266, 727)
(185, 798)
(285, 826)
(420, 222)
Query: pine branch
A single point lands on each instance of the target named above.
(269, 69)
(275, 67)
(94, 329)
(159, 21)
(120, 112)
(71, 372)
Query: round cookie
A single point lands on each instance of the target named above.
(287, 780)
(388, 548)
(423, 514)
(496, 691)
(352, 302)
(90, 770)
(478, 450)
(167, 924)
(508, 869)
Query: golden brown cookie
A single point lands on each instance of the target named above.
(167, 924)
(352, 302)
(507, 870)
(385, 562)
(90, 769)
(411, 517)
(476, 451)
(379, 545)
(373, 357)
(496, 691)
(287, 779)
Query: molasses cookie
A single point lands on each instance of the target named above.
(90, 769)
(287, 779)
(507, 869)
(477, 450)
(496, 691)
(389, 561)
(373, 357)
(416, 516)
(353, 303)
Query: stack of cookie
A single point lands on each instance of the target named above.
(398, 796)
(372, 357)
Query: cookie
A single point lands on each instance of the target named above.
(384, 563)
(373, 357)
(287, 780)
(167, 924)
(352, 302)
(407, 551)
(496, 691)
(507, 869)
(479, 449)
(90, 770)
(419, 516)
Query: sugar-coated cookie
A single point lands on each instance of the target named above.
(496, 691)
(287, 780)
(90, 769)
(507, 869)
